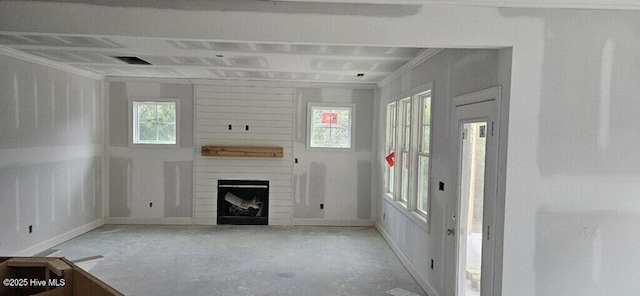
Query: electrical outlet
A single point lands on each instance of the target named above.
(441, 186)
(431, 263)
(151, 205)
(30, 228)
(322, 206)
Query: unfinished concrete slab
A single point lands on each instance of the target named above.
(242, 260)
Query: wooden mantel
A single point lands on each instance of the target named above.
(242, 151)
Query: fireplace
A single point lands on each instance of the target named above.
(243, 202)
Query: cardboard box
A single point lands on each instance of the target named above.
(48, 276)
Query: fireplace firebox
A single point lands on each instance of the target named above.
(243, 202)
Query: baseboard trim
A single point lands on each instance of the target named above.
(406, 262)
(321, 222)
(52, 242)
(205, 221)
(149, 221)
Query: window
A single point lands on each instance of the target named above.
(390, 147)
(424, 141)
(154, 122)
(405, 149)
(408, 138)
(330, 126)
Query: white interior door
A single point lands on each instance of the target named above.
(472, 224)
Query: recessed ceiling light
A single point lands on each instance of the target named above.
(360, 75)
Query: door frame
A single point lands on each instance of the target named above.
(492, 94)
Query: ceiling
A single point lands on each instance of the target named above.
(90, 34)
(212, 59)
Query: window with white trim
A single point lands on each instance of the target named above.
(408, 140)
(405, 150)
(390, 147)
(155, 122)
(424, 142)
(330, 126)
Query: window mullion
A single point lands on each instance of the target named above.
(424, 178)
(413, 165)
(136, 126)
(404, 146)
(390, 145)
(156, 124)
(399, 132)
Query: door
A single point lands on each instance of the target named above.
(472, 226)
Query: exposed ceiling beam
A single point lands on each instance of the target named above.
(48, 63)
(577, 4)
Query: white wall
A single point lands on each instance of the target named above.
(138, 176)
(572, 113)
(453, 73)
(572, 183)
(149, 184)
(276, 113)
(340, 180)
(268, 111)
(50, 155)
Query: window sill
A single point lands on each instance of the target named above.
(329, 149)
(417, 219)
(154, 146)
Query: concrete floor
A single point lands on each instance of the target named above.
(242, 260)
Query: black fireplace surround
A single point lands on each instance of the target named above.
(243, 202)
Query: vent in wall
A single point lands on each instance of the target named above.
(133, 60)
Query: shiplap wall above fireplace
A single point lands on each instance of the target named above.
(268, 111)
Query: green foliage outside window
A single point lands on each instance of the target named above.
(154, 122)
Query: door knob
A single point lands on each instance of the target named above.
(450, 231)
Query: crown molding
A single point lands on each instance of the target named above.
(10, 52)
(284, 83)
(552, 4)
(425, 55)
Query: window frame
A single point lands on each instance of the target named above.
(133, 116)
(330, 105)
(391, 143)
(405, 148)
(421, 99)
(410, 208)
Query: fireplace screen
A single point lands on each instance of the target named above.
(243, 202)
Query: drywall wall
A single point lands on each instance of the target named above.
(50, 155)
(453, 73)
(276, 114)
(577, 144)
(552, 51)
(149, 183)
(340, 181)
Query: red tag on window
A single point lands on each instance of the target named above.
(330, 118)
(389, 159)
